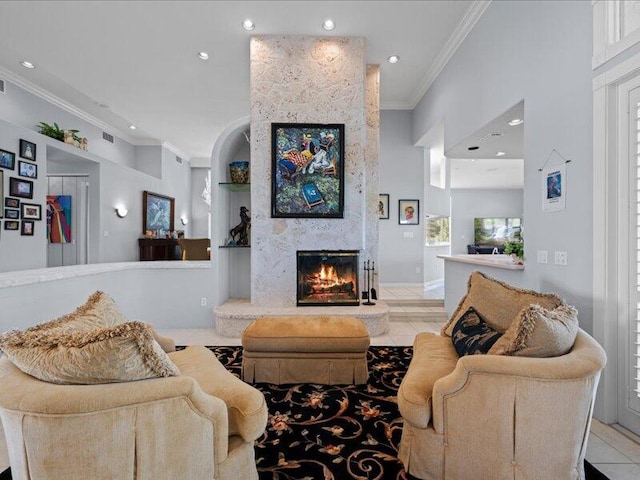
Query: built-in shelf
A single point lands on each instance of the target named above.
(234, 246)
(236, 187)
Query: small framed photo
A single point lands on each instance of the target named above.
(383, 206)
(11, 202)
(27, 150)
(26, 169)
(27, 227)
(11, 225)
(11, 214)
(7, 160)
(409, 212)
(31, 211)
(20, 188)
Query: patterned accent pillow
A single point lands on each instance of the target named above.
(472, 335)
(120, 353)
(539, 332)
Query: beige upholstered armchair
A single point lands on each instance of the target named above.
(505, 392)
(198, 425)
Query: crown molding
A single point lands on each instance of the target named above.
(175, 150)
(471, 17)
(64, 105)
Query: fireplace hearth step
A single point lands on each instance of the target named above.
(414, 302)
(423, 314)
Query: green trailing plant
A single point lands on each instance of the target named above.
(516, 248)
(53, 131)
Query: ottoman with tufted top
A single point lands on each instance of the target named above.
(292, 349)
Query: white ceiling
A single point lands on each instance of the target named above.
(481, 168)
(139, 57)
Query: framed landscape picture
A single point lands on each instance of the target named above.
(12, 214)
(11, 225)
(31, 211)
(20, 188)
(307, 170)
(10, 202)
(157, 212)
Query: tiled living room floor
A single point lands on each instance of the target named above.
(614, 454)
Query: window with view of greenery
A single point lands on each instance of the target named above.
(437, 231)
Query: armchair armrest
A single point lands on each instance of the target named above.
(586, 359)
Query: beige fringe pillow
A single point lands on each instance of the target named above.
(119, 353)
(538, 332)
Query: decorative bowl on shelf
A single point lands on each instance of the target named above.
(239, 172)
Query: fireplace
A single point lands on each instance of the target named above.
(327, 277)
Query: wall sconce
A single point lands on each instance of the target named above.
(121, 212)
(184, 220)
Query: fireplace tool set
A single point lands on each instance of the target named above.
(369, 276)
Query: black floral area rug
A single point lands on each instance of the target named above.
(322, 432)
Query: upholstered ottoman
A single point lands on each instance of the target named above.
(292, 349)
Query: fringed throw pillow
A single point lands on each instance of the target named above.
(539, 332)
(119, 353)
(472, 335)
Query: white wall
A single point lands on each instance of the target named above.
(539, 52)
(467, 204)
(27, 110)
(199, 218)
(401, 165)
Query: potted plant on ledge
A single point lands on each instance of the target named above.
(69, 137)
(516, 250)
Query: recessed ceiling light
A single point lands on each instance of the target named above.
(393, 59)
(248, 24)
(500, 154)
(473, 148)
(26, 64)
(132, 127)
(203, 55)
(516, 121)
(328, 24)
(473, 159)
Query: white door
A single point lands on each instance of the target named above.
(629, 322)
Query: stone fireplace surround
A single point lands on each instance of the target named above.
(310, 80)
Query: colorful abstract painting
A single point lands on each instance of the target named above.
(59, 218)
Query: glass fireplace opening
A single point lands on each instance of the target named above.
(327, 277)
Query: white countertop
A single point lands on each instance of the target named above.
(26, 277)
(497, 261)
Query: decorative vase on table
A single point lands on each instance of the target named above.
(239, 172)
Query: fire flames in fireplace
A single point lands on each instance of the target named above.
(328, 278)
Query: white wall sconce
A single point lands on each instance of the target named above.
(184, 220)
(121, 212)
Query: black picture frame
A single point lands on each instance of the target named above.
(31, 211)
(11, 202)
(406, 216)
(383, 206)
(7, 159)
(307, 170)
(19, 187)
(27, 150)
(11, 225)
(158, 212)
(28, 170)
(27, 227)
(11, 214)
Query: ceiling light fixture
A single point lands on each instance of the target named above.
(501, 154)
(203, 55)
(393, 59)
(328, 24)
(516, 121)
(248, 25)
(26, 64)
(132, 127)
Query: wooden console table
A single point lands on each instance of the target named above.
(159, 249)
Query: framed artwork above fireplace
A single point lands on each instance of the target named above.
(327, 277)
(307, 170)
